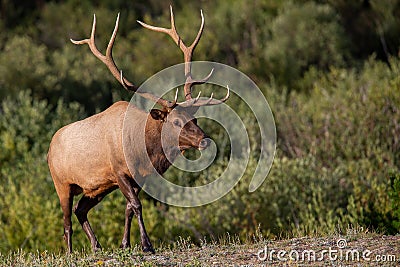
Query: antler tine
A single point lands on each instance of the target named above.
(176, 95)
(190, 82)
(172, 32)
(154, 28)
(205, 102)
(187, 51)
(198, 97)
(108, 60)
(199, 33)
(112, 39)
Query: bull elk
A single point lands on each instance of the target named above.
(87, 157)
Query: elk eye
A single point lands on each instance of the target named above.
(177, 123)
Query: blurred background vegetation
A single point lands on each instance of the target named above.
(330, 70)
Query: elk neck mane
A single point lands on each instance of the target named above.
(153, 154)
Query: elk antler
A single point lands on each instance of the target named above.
(187, 53)
(108, 60)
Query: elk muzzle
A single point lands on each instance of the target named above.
(192, 136)
(204, 143)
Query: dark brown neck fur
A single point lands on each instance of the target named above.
(154, 148)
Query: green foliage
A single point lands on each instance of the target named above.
(303, 35)
(338, 126)
(373, 23)
(336, 147)
(394, 195)
(280, 41)
(29, 205)
(28, 71)
(348, 125)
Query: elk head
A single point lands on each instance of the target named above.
(177, 118)
(181, 129)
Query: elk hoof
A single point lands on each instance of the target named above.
(149, 250)
(124, 246)
(97, 248)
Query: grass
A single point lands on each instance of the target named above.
(356, 249)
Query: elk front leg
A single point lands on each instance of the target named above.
(126, 240)
(133, 206)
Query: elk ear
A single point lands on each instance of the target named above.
(158, 114)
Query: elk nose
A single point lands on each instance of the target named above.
(204, 143)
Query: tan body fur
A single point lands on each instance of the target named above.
(89, 154)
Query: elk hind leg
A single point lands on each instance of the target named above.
(66, 200)
(126, 240)
(81, 210)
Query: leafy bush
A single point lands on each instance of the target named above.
(303, 35)
(29, 204)
(28, 71)
(335, 149)
(394, 195)
(338, 135)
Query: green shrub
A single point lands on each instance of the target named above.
(303, 35)
(394, 195)
(338, 136)
(29, 209)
